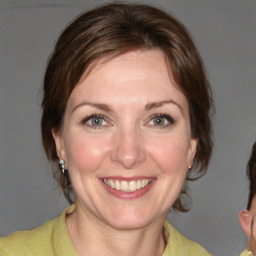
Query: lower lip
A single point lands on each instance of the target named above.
(128, 195)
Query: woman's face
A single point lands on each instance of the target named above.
(126, 140)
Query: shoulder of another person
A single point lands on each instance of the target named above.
(246, 253)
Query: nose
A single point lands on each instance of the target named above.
(128, 149)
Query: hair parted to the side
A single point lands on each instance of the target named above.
(251, 174)
(111, 30)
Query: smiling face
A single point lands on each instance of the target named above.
(126, 140)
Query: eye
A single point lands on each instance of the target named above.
(161, 120)
(95, 121)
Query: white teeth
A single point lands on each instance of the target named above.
(132, 186)
(139, 184)
(126, 186)
(112, 184)
(117, 185)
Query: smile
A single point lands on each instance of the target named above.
(127, 186)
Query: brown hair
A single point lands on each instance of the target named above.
(251, 174)
(111, 30)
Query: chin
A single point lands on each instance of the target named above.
(131, 219)
(128, 224)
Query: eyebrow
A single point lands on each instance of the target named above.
(159, 104)
(148, 106)
(100, 106)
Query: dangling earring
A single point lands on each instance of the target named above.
(62, 166)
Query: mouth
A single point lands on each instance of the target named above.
(127, 186)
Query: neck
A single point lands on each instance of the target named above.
(92, 237)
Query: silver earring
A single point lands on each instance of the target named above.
(62, 166)
(190, 167)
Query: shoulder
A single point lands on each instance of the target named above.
(49, 239)
(246, 253)
(41, 241)
(180, 245)
(26, 242)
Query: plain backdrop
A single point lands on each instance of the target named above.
(225, 34)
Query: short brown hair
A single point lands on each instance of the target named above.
(111, 30)
(251, 174)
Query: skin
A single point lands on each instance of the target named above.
(129, 143)
(248, 223)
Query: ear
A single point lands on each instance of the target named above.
(59, 143)
(192, 150)
(245, 218)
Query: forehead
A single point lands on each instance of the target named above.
(131, 58)
(127, 68)
(137, 77)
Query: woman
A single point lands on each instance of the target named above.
(126, 117)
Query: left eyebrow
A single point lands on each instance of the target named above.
(100, 106)
(159, 104)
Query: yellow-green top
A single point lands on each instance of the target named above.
(246, 253)
(52, 239)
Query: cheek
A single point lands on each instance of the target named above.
(85, 154)
(170, 154)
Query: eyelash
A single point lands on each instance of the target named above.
(167, 117)
(85, 120)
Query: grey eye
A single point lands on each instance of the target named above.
(96, 121)
(159, 121)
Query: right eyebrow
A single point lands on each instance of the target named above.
(159, 104)
(100, 106)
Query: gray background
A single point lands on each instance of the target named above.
(225, 34)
